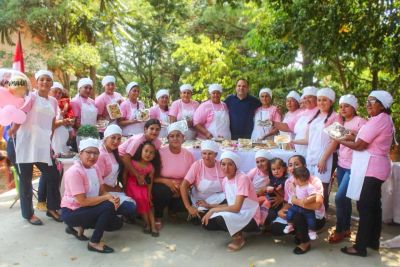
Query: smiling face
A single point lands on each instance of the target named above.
(152, 132)
(242, 88)
(291, 104)
(265, 99)
(44, 84)
(148, 152)
(109, 88)
(294, 162)
(85, 91)
(374, 107)
(309, 101)
(208, 157)
(56, 93)
(215, 97)
(89, 156)
(186, 96)
(228, 167)
(113, 141)
(175, 139)
(262, 164)
(134, 94)
(324, 104)
(347, 111)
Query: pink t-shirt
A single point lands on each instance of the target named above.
(244, 188)
(76, 183)
(305, 191)
(345, 153)
(378, 133)
(178, 105)
(316, 182)
(272, 111)
(156, 111)
(175, 166)
(30, 100)
(132, 144)
(291, 115)
(103, 100)
(105, 161)
(307, 113)
(127, 107)
(199, 171)
(204, 113)
(76, 104)
(258, 178)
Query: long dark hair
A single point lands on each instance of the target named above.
(151, 122)
(120, 167)
(385, 110)
(156, 162)
(319, 111)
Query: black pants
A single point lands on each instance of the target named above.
(101, 217)
(301, 226)
(162, 198)
(370, 212)
(218, 224)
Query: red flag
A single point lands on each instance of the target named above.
(18, 61)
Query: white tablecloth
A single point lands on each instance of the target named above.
(391, 196)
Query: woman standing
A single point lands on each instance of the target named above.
(183, 109)
(293, 107)
(241, 213)
(109, 96)
(211, 119)
(370, 167)
(83, 106)
(129, 108)
(161, 111)
(33, 147)
(86, 203)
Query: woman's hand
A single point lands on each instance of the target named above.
(322, 166)
(202, 203)
(261, 192)
(206, 217)
(140, 180)
(209, 135)
(193, 212)
(173, 186)
(276, 200)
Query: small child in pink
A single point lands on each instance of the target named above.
(303, 190)
(147, 163)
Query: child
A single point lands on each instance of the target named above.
(276, 184)
(147, 163)
(303, 191)
(65, 106)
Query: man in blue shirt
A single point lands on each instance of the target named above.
(242, 108)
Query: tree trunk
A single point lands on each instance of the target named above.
(308, 71)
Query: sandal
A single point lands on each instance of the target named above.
(35, 220)
(158, 225)
(298, 250)
(337, 237)
(236, 244)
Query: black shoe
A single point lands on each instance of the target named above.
(155, 234)
(35, 221)
(128, 220)
(51, 215)
(297, 240)
(146, 230)
(71, 231)
(357, 253)
(106, 249)
(299, 250)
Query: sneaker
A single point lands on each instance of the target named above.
(312, 235)
(42, 206)
(288, 229)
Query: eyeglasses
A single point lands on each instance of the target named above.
(371, 102)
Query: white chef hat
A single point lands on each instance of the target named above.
(130, 86)
(107, 79)
(112, 129)
(84, 81)
(349, 99)
(265, 90)
(214, 87)
(88, 142)
(384, 97)
(57, 85)
(162, 92)
(209, 145)
(232, 156)
(327, 92)
(176, 126)
(294, 95)
(309, 90)
(262, 153)
(43, 72)
(186, 87)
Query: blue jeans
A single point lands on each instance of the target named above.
(308, 214)
(127, 209)
(343, 203)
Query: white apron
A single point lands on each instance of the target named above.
(208, 190)
(190, 134)
(33, 136)
(164, 122)
(300, 130)
(359, 165)
(94, 184)
(260, 131)
(135, 128)
(219, 126)
(88, 113)
(237, 221)
(259, 181)
(316, 148)
(60, 137)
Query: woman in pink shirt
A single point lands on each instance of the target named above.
(161, 111)
(241, 213)
(293, 107)
(348, 110)
(86, 203)
(83, 106)
(175, 163)
(129, 108)
(183, 109)
(370, 167)
(109, 96)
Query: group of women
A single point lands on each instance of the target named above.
(113, 182)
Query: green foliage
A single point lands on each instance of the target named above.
(88, 131)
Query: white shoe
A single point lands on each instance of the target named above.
(288, 229)
(312, 235)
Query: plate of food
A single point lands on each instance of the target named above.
(114, 111)
(67, 155)
(102, 124)
(218, 139)
(143, 115)
(265, 123)
(336, 131)
(245, 143)
(282, 139)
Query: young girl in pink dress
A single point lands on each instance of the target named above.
(147, 163)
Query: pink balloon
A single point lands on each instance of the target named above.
(6, 98)
(9, 114)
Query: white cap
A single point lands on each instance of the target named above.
(265, 90)
(57, 85)
(232, 156)
(84, 81)
(349, 99)
(294, 95)
(186, 87)
(162, 92)
(209, 145)
(176, 126)
(262, 153)
(112, 129)
(88, 142)
(214, 87)
(107, 79)
(43, 72)
(130, 86)
(327, 92)
(309, 90)
(383, 96)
